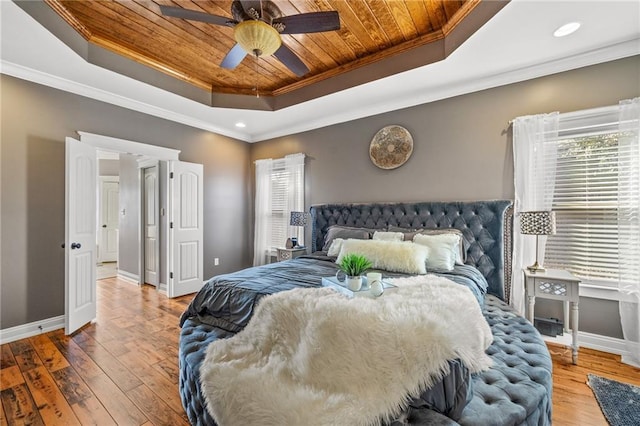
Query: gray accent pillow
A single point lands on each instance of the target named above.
(345, 232)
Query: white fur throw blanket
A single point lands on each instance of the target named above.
(315, 357)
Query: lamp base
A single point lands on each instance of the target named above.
(536, 267)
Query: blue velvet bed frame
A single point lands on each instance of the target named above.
(515, 391)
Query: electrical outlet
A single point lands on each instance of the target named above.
(216, 261)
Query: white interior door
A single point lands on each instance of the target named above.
(185, 233)
(109, 202)
(80, 235)
(151, 226)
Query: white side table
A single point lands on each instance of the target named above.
(292, 253)
(556, 284)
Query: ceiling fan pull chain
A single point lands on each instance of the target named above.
(257, 74)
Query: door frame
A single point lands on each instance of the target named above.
(115, 145)
(142, 165)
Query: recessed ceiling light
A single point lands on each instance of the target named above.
(567, 29)
(241, 125)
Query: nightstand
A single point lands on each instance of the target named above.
(556, 284)
(292, 253)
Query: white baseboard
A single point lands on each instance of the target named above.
(128, 276)
(592, 341)
(162, 287)
(31, 329)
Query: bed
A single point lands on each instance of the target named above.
(515, 390)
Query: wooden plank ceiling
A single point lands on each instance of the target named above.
(372, 32)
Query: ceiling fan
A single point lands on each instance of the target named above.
(257, 25)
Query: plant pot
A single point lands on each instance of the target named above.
(354, 283)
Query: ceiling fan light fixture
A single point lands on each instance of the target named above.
(257, 38)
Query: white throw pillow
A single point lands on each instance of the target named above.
(392, 256)
(443, 249)
(334, 248)
(388, 236)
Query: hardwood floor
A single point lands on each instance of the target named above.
(573, 400)
(123, 369)
(120, 370)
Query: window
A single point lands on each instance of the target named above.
(279, 191)
(589, 196)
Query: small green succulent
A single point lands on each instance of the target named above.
(354, 264)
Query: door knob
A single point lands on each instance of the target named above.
(75, 246)
(104, 226)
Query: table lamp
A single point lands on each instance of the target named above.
(537, 223)
(297, 219)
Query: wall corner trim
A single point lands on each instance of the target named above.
(23, 331)
(129, 277)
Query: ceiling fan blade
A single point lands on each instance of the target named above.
(194, 15)
(234, 57)
(314, 22)
(287, 57)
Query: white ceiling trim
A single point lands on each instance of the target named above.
(516, 45)
(610, 53)
(436, 93)
(66, 85)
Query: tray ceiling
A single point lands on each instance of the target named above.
(377, 38)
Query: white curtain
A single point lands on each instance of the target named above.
(534, 146)
(262, 233)
(294, 165)
(629, 220)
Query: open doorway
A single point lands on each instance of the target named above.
(108, 226)
(181, 221)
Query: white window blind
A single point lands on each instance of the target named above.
(587, 197)
(279, 201)
(279, 191)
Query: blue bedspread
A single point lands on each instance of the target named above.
(228, 301)
(225, 304)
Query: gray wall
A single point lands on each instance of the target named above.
(35, 122)
(462, 150)
(129, 222)
(108, 167)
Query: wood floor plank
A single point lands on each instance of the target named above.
(119, 406)
(6, 357)
(120, 375)
(156, 381)
(52, 405)
(155, 408)
(169, 369)
(19, 407)
(26, 357)
(10, 377)
(3, 416)
(91, 412)
(77, 358)
(48, 352)
(71, 385)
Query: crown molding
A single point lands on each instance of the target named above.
(403, 100)
(91, 92)
(422, 96)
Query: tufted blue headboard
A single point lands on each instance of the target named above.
(486, 225)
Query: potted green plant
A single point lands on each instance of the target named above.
(353, 265)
